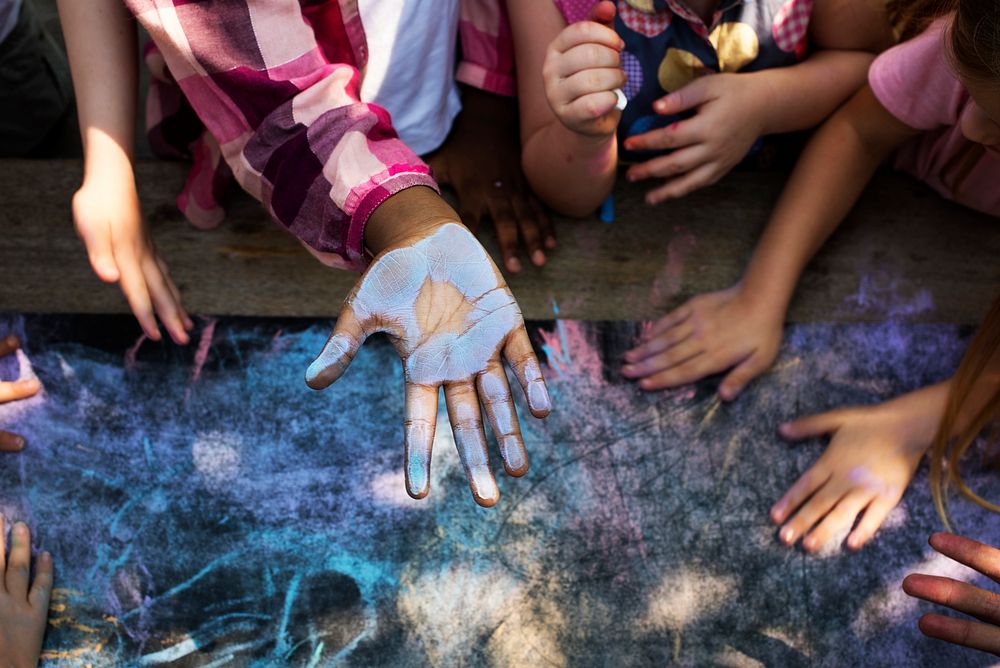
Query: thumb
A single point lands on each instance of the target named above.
(737, 379)
(603, 12)
(693, 95)
(812, 426)
(339, 351)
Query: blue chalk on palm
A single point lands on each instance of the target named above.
(607, 210)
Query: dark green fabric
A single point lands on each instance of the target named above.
(35, 87)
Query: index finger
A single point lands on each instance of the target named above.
(133, 286)
(587, 32)
(971, 553)
(521, 358)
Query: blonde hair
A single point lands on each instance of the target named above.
(975, 384)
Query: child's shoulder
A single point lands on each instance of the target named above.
(915, 81)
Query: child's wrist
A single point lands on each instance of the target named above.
(409, 215)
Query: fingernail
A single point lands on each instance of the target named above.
(513, 264)
(538, 257)
(787, 535)
(29, 384)
(550, 242)
(515, 462)
(778, 511)
(45, 556)
(809, 544)
(628, 369)
(784, 429)
(631, 177)
(20, 529)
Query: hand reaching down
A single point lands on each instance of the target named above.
(107, 218)
(979, 603)
(452, 319)
(872, 456)
(14, 391)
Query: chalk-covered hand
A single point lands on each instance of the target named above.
(727, 122)
(982, 604)
(709, 334)
(24, 605)
(107, 217)
(871, 459)
(582, 69)
(14, 391)
(452, 319)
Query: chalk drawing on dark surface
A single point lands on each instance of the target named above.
(233, 517)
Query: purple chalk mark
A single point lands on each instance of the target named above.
(131, 353)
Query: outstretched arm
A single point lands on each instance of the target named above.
(741, 327)
(101, 41)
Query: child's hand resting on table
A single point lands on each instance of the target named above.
(447, 310)
(582, 69)
(709, 334)
(873, 454)
(982, 604)
(108, 219)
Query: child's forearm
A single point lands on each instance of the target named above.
(570, 172)
(102, 46)
(829, 178)
(803, 95)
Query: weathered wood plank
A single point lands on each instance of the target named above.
(905, 253)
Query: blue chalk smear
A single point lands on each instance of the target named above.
(607, 210)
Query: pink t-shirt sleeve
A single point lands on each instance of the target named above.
(915, 82)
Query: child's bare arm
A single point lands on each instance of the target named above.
(734, 110)
(741, 327)
(571, 169)
(101, 42)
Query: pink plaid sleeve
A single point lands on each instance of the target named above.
(276, 85)
(487, 46)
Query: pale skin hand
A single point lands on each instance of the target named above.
(980, 603)
(709, 334)
(101, 43)
(14, 391)
(24, 605)
(581, 71)
(107, 218)
(730, 118)
(732, 111)
(452, 319)
(872, 456)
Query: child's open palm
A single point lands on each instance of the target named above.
(452, 319)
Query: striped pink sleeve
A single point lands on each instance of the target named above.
(487, 47)
(277, 88)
